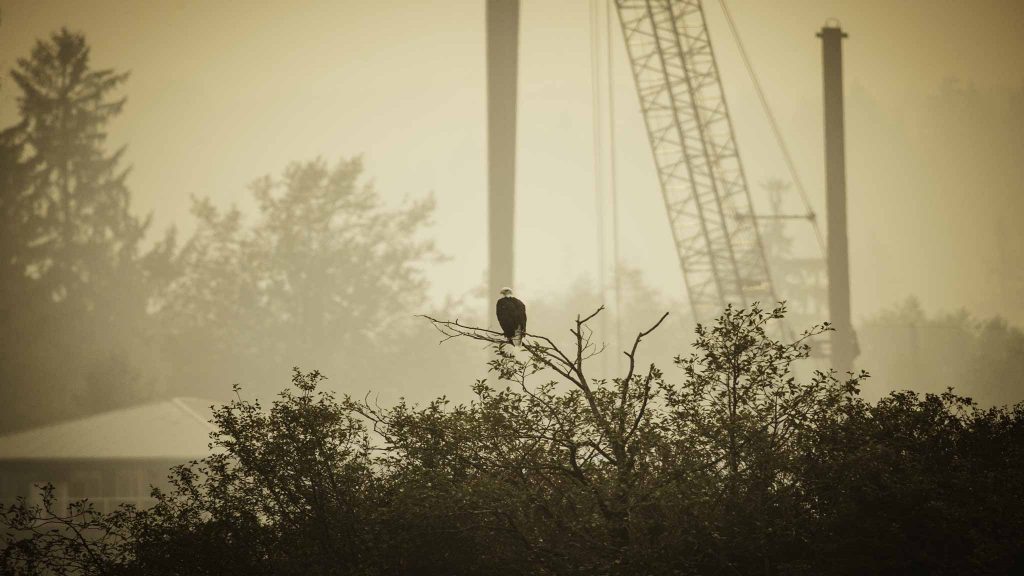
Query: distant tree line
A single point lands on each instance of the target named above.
(981, 357)
(726, 465)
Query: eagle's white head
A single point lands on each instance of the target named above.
(506, 292)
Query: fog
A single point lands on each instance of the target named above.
(223, 93)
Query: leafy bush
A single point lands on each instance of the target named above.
(737, 467)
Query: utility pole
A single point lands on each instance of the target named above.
(502, 71)
(844, 341)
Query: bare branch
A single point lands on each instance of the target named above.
(643, 404)
(453, 329)
(542, 349)
(632, 353)
(624, 392)
(591, 317)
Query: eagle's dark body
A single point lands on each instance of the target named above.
(512, 317)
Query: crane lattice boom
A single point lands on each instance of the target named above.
(694, 145)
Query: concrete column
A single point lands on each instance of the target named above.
(844, 341)
(502, 70)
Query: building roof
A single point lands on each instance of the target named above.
(169, 429)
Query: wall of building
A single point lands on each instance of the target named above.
(106, 483)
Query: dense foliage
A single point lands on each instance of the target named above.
(726, 464)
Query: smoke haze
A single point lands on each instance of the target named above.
(223, 93)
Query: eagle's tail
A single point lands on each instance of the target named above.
(518, 338)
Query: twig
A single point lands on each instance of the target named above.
(624, 393)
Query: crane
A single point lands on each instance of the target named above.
(704, 187)
(702, 181)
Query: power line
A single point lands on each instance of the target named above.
(598, 149)
(605, 170)
(612, 179)
(774, 126)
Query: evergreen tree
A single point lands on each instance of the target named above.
(77, 231)
(74, 284)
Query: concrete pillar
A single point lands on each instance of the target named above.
(502, 70)
(844, 341)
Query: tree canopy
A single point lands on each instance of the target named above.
(728, 464)
(320, 274)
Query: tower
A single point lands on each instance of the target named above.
(844, 341)
(502, 67)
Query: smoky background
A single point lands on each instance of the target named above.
(222, 94)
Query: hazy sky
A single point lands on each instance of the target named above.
(223, 92)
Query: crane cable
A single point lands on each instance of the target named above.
(605, 170)
(612, 176)
(598, 145)
(599, 183)
(775, 127)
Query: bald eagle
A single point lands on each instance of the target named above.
(511, 316)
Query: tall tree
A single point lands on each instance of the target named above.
(74, 284)
(318, 276)
(78, 229)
